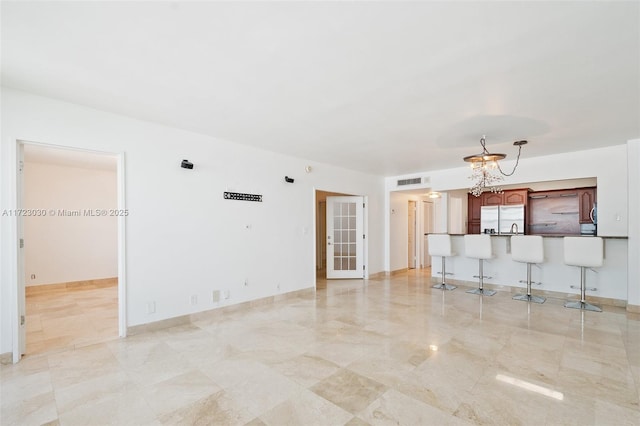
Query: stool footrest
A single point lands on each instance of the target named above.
(590, 289)
(532, 282)
(446, 273)
(484, 276)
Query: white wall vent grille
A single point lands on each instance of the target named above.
(412, 181)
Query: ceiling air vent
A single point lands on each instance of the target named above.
(412, 181)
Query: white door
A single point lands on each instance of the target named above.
(345, 237)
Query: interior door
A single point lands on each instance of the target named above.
(345, 237)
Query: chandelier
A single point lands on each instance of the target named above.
(486, 171)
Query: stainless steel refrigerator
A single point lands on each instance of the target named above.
(503, 220)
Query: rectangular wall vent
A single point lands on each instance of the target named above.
(412, 181)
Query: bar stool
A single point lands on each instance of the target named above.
(440, 245)
(585, 252)
(527, 249)
(479, 247)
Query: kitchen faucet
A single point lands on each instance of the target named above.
(513, 225)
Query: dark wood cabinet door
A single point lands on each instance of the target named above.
(519, 196)
(586, 203)
(492, 199)
(474, 208)
(473, 227)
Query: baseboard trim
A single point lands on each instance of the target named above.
(396, 272)
(619, 303)
(307, 293)
(377, 275)
(634, 309)
(6, 358)
(73, 285)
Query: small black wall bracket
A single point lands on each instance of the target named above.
(288, 179)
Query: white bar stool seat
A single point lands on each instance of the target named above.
(527, 249)
(585, 252)
(440, 245)
(479, 247)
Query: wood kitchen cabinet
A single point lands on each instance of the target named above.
(586, 204)
(492, 198)
(473, 215)
(508, 197)
(516, 196)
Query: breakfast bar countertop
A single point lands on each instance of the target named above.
(621, 237)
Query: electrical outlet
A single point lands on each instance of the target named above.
(33, 276)
(226, 294)
(246, 282)
(194, 300)
(216, 296)
(151, 307)
(278, 286)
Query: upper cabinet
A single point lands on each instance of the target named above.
(507, 197)
(586, 205)
(516, 196)
(492, 198)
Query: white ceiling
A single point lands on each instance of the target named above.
(382, 87)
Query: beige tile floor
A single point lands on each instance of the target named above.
(63, 317)
(388, 351)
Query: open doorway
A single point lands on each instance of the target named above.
(69, 265)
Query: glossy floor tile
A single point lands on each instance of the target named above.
(385, 351)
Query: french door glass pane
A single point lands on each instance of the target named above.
(344, 220)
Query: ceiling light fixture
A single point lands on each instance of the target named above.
(484, 166)
(433, 194)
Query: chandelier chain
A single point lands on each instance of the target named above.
(514, 167)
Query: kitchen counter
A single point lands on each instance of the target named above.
(610, 279)
(619, 237)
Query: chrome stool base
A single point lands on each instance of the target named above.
(582, 305)
(444, 286)
(529, 298)
(482, 292)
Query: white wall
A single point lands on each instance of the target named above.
(634, 222)
(399, 222)
(182, 237)
(61, 248)
(457, 223)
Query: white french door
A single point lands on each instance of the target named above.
(345, 237)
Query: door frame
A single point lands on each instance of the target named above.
(16, 233)
(365, 219)
(416, 233)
